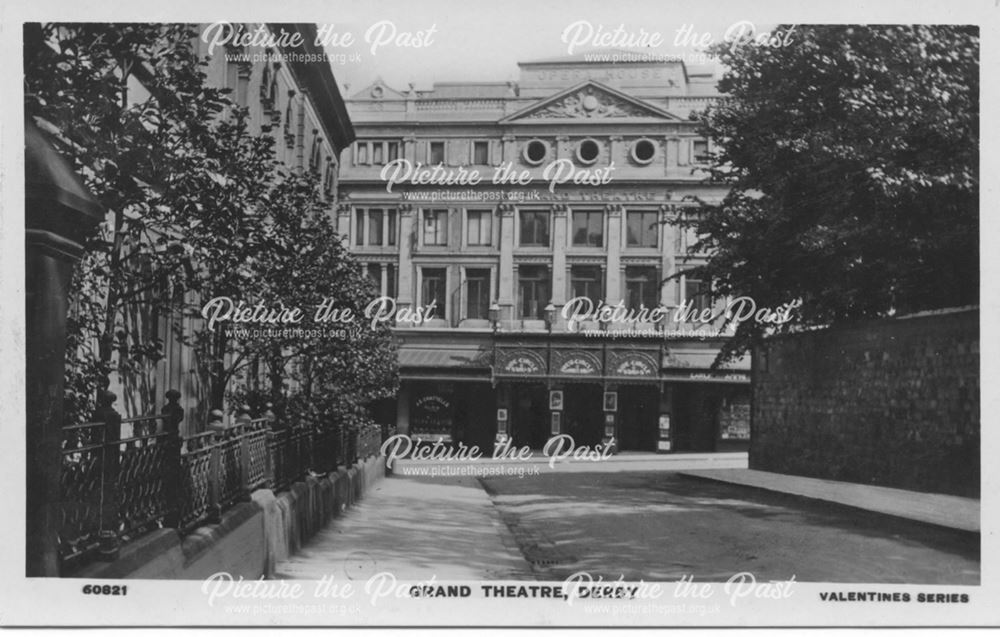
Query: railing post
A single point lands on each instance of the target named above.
(108, 533)
(313, 438)
(244, 455)
(354, 435)
(173, 414)
(341, 445)
(269, 458)
(214, 480)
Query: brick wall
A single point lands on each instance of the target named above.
(893, 403)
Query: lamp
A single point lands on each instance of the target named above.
(550, 315)
(494, 313)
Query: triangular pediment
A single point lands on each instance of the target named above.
(377, 90)
(588, 102)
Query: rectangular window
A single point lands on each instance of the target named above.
(359, 227)
(534, 228)
(434, 288)
(699, 150)
(643, 229)
(481, 153)
(391, 226)
(375, 227)
(533, 291)
(642, 287)
(588, 228)
(392, 151)
(700, 292)
(477, 301)
(586, 280)
(435, 227)
(436, 153)
(391, 281)
(377, 150)
(374, 271)
(479, 228)
(362, 152)
(381, 226)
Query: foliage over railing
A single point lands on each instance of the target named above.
(121, 479)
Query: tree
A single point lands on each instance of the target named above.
(198, 208)
(306, 265)
(852, 153)
(127, 106)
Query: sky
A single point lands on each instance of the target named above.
(438, 41)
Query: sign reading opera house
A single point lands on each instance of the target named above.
(496, 203)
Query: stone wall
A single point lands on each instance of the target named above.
(893, 403)
(251, 537)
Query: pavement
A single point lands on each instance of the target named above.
(623, 461)
(639, 515)
(949, 511)
(414, 528)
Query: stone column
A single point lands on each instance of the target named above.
(59, 214)
(404, 291)
(668, 247)
(506, 287)
(612, 290)
(560, 222)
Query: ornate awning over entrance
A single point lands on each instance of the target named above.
(442, 357)
(448, 364)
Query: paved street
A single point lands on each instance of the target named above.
(660, 526)
(651, 525)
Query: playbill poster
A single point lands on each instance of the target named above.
(566, 314)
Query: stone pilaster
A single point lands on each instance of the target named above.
(506, 286)
(560, 231)
(668, 251)
(410, 148)
(617, 150)
(509, 148)
(405, 289)
(612, 286)
(563, 150)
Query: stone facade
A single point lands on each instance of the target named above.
(893, 403)
(502, 255)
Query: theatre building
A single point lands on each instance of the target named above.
(583, 171)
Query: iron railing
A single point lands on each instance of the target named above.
(121, 479)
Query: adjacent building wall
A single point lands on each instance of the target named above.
(892, 403)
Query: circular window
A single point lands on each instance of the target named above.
(535, 152)
(587, 151)
(643, 151)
